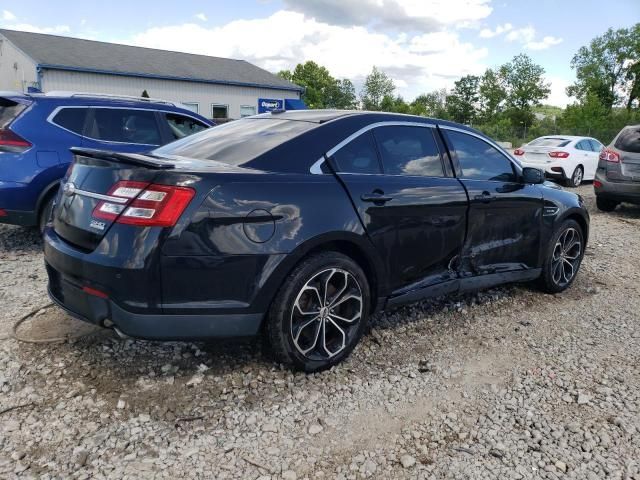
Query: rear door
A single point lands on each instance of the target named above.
(122, 129)
(504, 216)
(411, 206)
(587, 157)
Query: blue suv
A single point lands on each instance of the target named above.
(37, 130)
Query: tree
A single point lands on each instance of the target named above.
(376, 87)
(431, 104)
(524, 83)
(342, 95)
(394, 104)
(462, 103)
(609, 68)
(321, 89)
(492, 94)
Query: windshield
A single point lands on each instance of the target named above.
(549, 142)
(629, 140)
(237, 142)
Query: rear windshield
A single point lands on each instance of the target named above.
(237, 142)
(550, 142)
(8, 111)
(629, 140)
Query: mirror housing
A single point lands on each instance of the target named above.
(533, 176)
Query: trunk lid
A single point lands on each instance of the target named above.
(89, 181)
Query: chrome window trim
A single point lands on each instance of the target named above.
(316, 168)
(487, 141)
(61, 107)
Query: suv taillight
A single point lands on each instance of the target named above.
(12, 142)
(144, 204)
(558, 154)
(609, 155)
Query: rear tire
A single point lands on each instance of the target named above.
(606, 205)
(563, 257)
(576, 177)
(320, 312)
(45, 213)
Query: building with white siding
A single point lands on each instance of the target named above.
(212, 86)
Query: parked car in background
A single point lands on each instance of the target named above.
(300, 225)
(618, 176)
(37, 131)
(562, 157)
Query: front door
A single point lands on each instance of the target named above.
(412, 211)
(505, 215)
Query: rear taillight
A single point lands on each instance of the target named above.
(597, 184)
(609, 155)
(3, 213)
(12, 142)
(139, 203)
(558, 154)
(518, 151)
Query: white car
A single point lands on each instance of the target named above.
(562, 157)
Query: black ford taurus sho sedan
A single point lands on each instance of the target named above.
(300, 225)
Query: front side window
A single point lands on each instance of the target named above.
(479, 160)
(182, 126)
(219, 111)
(409, 150)
(358, 156)
(72, 119)
(124, 126)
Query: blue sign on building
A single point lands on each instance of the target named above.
(269, 104)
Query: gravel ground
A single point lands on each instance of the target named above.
(507, 383)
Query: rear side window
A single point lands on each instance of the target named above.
(9, 110)
(629, 140)
(584, 145)
(237, 142)
(181, 126)
(72, 119)
(479, 160)
(124, 126)
(596, 146)
(358, 156)
(409, 151)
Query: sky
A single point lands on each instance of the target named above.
(422, 45)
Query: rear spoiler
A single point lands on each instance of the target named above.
(119, 157)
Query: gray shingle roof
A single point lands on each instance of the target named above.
(51, 51)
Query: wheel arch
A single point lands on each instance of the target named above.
(580, 220)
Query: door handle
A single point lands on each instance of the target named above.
(486, 197)
(376, 196)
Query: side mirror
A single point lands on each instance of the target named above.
(533, 176)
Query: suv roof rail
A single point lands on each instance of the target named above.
(109, 95)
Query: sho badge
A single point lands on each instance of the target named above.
(97, 225)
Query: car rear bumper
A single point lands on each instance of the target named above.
(550, 170)
(617, 191)
(114, 292)
(19, 217)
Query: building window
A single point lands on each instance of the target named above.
(191, 106)
(247, 110)
(219, 111)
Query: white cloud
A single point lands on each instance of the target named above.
(558, 95)
(8, 16)
(201, 16)
(545, 43)
(500, 29)
(402, 15)
(27, 27)
(417, 63)
(522, 35)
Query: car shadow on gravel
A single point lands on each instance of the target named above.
(23, 239)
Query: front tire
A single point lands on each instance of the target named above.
(576, 177)
(320, 312)
(563, 257)
(606, 205)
